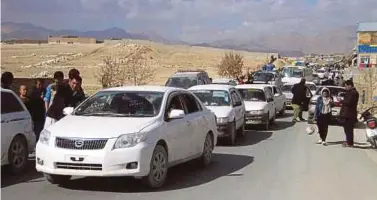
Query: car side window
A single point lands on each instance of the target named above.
(235, 98)
(174, 103)
(10, 104)
(201, 82)
(192, 105)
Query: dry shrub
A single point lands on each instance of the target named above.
(132, 68)
(231, 65)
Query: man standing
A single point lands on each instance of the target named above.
(348, 112)
(38, 108)
(78, 95)
(299, 95)
(58, 80)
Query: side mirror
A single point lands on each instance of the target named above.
(176, 114)
(68, 110)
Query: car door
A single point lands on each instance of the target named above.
(238, 108)
(195, 120)
(15, 119)
(279, 98)
(177, 130)
(271, 104)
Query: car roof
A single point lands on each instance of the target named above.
(252, 86)
(222, 80)
(180, 74)
(211, 87)
(144, 89)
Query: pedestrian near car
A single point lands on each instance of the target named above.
(299, 95)
(348, 112)
(58, 80)
(78, 95)
(38, 112)
(7, 80)
(24, 98)
(55, 110)
(323, 114)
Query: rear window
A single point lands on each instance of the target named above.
(182, 82)
(213, 97)
(252, 94)
(9, 103)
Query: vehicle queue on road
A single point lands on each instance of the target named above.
(143, 131)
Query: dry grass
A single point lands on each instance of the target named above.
(27, 59)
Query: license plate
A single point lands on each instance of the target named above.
(253, 122)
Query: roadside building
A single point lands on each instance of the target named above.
(71, 40)
(367, 45)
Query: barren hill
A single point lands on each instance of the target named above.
(25, 60)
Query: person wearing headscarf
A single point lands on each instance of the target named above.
(323, 114)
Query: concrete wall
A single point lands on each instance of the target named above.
(78, 40)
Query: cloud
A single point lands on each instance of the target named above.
(194, 20)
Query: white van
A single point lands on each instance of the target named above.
(17, 135)
(293, 74)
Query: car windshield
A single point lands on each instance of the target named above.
(252, 94)
(263, 77)
(334, 91)
(320, 71)
(293, 72)
(182, 82)
(213, 97)
(122, 104)
(287, 88)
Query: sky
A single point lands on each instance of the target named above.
(193, 20)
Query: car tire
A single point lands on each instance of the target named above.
(208, 147)
(57, 179)
(231, 140)
(158, 168)
(18, 154)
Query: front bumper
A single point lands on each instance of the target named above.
(251, 119)
(104, 162)
(224, 130)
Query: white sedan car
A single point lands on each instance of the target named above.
(259, 104)
(17, 135)
(128, 131)
(226, 102)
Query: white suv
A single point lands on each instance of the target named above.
(227, 104)
(17, 135)
(128, 131)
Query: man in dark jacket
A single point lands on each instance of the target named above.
(348, 112)
(299, 95)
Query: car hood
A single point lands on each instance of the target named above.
(220, 111)
(98, 127)
(255, 105)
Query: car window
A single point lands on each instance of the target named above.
(235, 98)
(9, 103)
(213, 97)
(268, 93)
(122, 104)
(276, 91)
(252, 94)
(175, 103)
(182, 82)
(192, 105)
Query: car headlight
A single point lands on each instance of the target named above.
(44, 137)
(222, 120)
(256, 112)
(129, 140)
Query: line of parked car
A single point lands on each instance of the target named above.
(140, 131)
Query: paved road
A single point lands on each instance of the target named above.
(281, 164)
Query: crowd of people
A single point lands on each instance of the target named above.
(46, 104)
(323, 109)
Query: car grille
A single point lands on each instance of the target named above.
(80, 144)
(78, 166)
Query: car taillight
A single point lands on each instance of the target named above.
(371, 124)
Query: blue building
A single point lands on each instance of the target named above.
(367, 44)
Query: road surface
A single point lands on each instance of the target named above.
(284, 163)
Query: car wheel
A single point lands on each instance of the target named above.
(158, 168)
(232, 135)
(18, 154)
(206, 157)
(57, 179)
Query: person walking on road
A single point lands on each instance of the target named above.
(348, 112)
(323, 114)
(299, 95)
